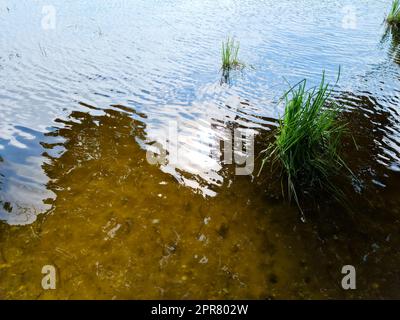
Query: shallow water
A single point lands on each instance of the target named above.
(81, 104)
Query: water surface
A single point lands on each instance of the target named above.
(80, 105)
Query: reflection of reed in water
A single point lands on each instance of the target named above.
(392, 35)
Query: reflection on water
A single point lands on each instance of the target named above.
(77, 190)
(392, 35)
(23, 195)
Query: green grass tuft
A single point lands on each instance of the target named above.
(230, 51)
(307, 141)
(393, 17)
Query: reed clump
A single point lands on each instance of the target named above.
(307, 141)
(393, 17)
(230, 52)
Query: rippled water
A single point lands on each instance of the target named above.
(81, 103)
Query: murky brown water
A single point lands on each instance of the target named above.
(81, 104)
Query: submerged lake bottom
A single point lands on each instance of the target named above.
(82, 105)
(120, 228)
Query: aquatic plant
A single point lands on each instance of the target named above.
(230, 51)
(307, 140)
(393, 17)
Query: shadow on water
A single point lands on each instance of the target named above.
(364, 231)
(120, 227)
(369, 233)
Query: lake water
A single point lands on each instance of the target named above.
(87, 87)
